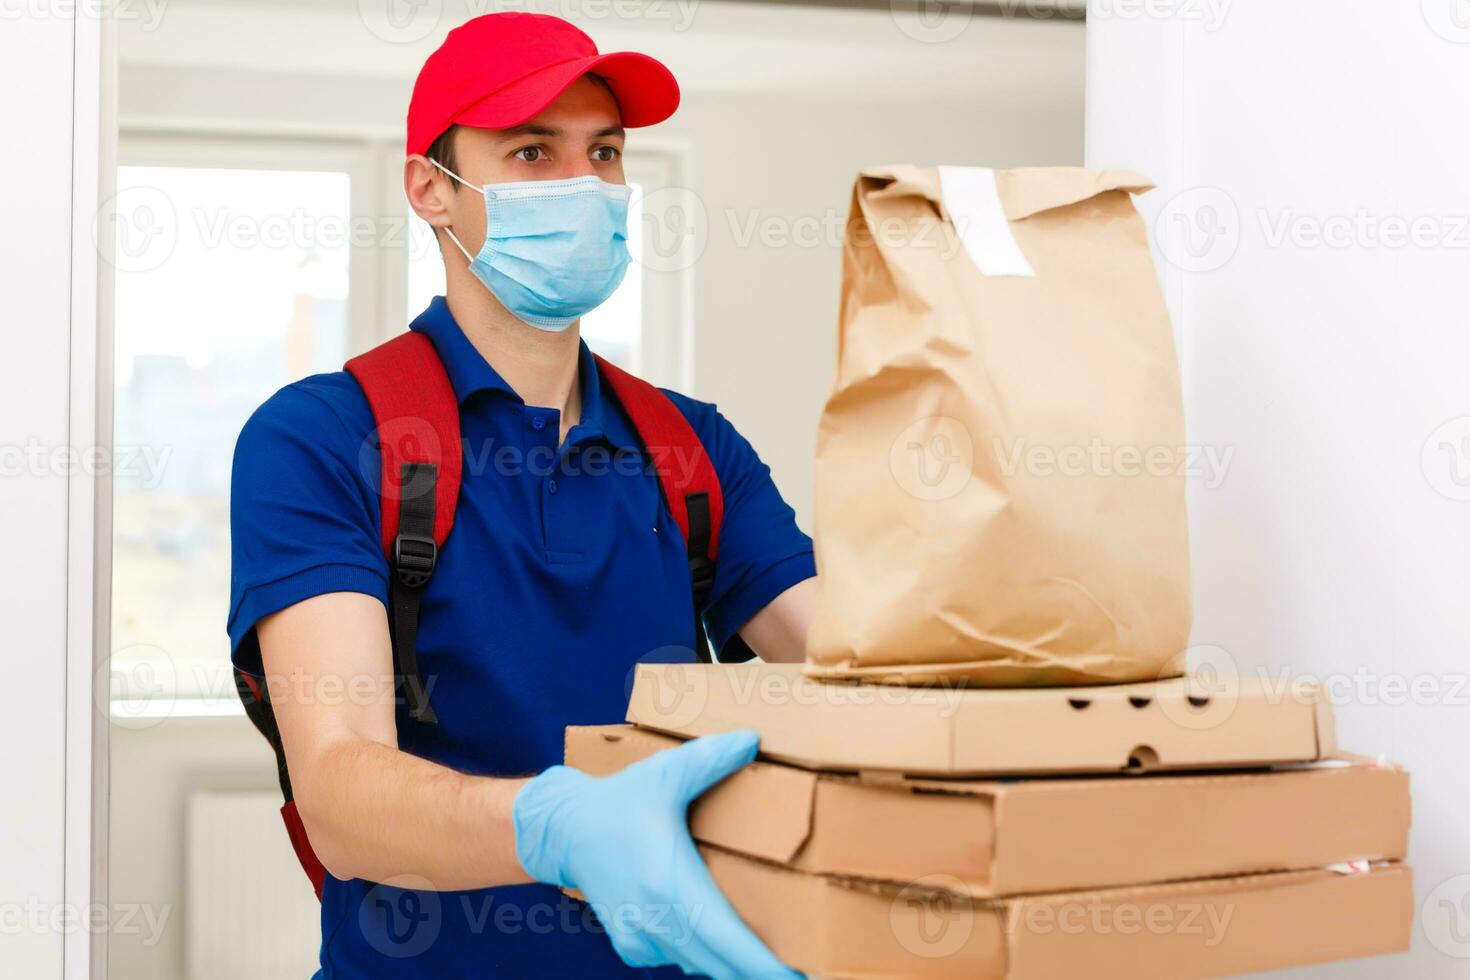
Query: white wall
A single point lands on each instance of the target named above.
(53, 441)
(781, 108)
(35, 67)
(155, 769)
(1337, 544)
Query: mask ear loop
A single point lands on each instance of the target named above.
(448, 230)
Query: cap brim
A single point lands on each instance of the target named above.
(646, 91)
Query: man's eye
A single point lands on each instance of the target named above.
(605, 154)
(530, 154)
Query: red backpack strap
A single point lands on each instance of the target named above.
(417, 417)
(305, 853)
(690, 486)
(255, 698)
(684, 469)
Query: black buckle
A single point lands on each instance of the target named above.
(414, 558)
(702, 577)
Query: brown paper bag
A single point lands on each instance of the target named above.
(1000, 465)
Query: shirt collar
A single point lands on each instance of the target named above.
(469, 374)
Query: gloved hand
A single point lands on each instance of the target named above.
(624, 841)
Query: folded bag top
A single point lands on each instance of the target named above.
(1024, 191)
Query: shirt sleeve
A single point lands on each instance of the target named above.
(304, 511)
(762, 551)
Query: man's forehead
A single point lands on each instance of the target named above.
(589, 99)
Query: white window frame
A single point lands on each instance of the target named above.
(667, 344)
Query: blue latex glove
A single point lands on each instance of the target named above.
(624, 841)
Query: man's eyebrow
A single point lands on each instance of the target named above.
(528, 129)
(617, 131)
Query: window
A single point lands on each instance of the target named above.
(242, 265)
(231, 280)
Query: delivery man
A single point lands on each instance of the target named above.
(447, 846)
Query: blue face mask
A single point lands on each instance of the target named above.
(554, 249)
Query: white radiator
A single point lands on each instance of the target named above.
(251, 912)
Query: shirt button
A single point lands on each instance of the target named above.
(538, 422)
(551, 486)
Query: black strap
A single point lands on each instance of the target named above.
(414, 556)
(701, 569)
(258, 709)
(702, 581)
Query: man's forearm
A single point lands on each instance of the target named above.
(778, 632)
(370, 810)
(375, 812)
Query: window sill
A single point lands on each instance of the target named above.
(130, 713)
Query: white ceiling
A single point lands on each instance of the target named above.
(869, 51)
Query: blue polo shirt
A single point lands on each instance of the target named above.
(563, 571)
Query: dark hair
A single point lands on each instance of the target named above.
(442, 149)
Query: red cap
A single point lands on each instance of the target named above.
(499, 70)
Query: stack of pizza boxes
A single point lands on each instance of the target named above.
(1172, 829)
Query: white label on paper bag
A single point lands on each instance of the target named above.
(973, 203)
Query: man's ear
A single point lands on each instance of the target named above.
(428, 190)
